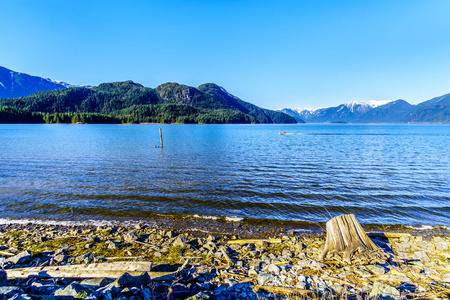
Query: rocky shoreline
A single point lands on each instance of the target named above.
(146, 262)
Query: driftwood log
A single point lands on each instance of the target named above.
(254, 241)
(345, 235)
(96, 270)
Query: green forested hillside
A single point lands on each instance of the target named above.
(129, 102)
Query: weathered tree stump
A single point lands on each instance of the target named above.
(345, 235)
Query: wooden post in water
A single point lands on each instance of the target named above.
(160, 137)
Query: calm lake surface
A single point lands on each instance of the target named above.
(384, 174)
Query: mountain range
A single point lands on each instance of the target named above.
(436, 110)
(128, 102)
(208, 103)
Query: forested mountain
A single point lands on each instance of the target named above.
(130, 102)
(15, 84)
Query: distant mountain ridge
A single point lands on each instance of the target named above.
(436, 110)
(15, 84)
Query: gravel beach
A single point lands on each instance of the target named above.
(43, 261)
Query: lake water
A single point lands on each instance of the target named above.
(384, 174)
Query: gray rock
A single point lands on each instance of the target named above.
(85, 258)
(403, 246)
(274, 269)
(111, 244)
(446, 282)
(422, 256)
(230, 282)
(265, 258)
(10, 291)
(180, 291)
(130, 292)
(262, 244)
(252, 272)
(383, 291)
(286, 253)
(311, 263)
(321, 285)
(201, 296)
(235, 247)
(265, 279)
(62, 250)
(338, 289)
(109, 291)
(376, 269)
(3, 278)
(60, 258)
(37, 288)
(131, 236)
(362, 271)
(301, 285)
(95, 283)
(181, 241)
(71, 290)
(20, 297)
(404, 238)
(210, 246)
(441, 246)
(21, 258)
(126, 280)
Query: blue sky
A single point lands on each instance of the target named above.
(274, 54)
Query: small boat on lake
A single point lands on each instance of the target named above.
(283, 132)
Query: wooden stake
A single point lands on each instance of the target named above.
(160, 137)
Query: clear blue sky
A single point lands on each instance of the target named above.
(271, 53)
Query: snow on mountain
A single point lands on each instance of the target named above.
(347, 112)
(67, 85)
(363, 107)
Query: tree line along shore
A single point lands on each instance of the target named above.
(149, 262)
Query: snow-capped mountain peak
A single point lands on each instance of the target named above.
(362, 106)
